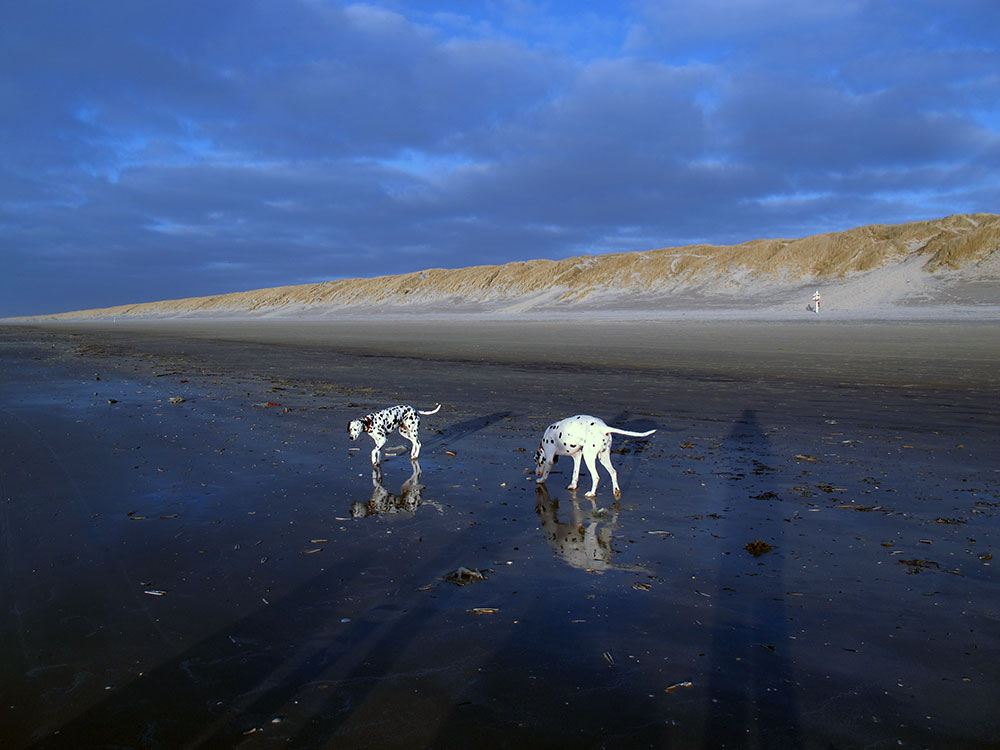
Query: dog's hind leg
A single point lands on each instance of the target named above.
(591, 457)
(411, 431)
(605, 457)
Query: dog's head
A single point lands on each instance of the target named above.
(354, 428)
(541, 460)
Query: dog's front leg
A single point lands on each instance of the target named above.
(379, 442)
(576, 470)
(543, 463)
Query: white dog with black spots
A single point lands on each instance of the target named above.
(582, 437)
(380, 423)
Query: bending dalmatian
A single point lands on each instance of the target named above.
(379, 424)
(584, 437)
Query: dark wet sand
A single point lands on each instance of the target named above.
(190, 575)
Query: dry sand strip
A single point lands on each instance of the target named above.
(948, 352)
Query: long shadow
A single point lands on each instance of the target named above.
(226, 687)
(752, 688)
(461, 430)
(627, 451)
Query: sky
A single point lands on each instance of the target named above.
(159, 149)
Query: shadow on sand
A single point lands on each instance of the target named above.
(752, 684)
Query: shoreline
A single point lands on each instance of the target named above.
(890, 352)
(984, 309)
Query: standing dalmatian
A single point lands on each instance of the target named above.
(584, 437)
(379, 424)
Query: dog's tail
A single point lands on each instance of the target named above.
(631, 434)
(435, 410)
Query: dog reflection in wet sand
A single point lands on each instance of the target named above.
(383, 502)
(582, 437)
(584, 541)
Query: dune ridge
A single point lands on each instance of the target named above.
(953, 261)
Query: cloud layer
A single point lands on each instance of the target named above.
(158, 150)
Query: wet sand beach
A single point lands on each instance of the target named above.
(196, 555)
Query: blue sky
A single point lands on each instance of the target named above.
(156, 150)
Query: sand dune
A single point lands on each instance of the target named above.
(950, 264)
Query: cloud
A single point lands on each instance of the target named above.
(167, 150)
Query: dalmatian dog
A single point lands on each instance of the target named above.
(582, 437)
(380, 423)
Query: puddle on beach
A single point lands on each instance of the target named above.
(226, 572)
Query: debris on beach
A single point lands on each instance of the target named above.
(916, 565)
(483, 611)
(176, 399)
(829, 488)
(672, 688)
(463, 576)
(758, 548)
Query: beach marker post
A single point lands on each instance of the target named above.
(816, 302)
